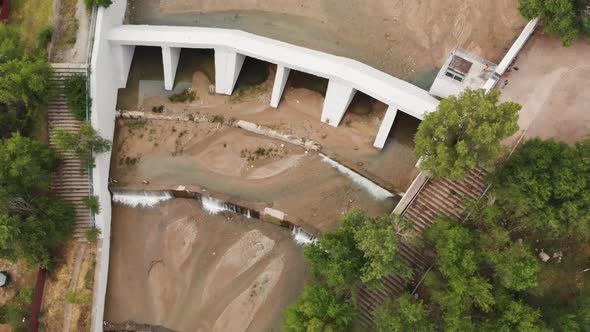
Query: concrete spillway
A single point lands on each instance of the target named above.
(215, 206)
(371, 187)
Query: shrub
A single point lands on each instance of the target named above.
(102, 3)
(92, 234)
(92, 203)
(158, 109)
(75, 91)
(44, 37)
(184, 96)
(83, 143)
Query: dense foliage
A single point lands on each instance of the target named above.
(32, 221)
(75, 91)
(320, 309)
(464, 133)
(83, 143)
(545, 185)
(404, 314)
(25, 84)
(361, 249)
(565, 18)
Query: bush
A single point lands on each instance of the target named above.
(101, 3)
(185, 96)
(92, 234)
(158, 109)
(75, 91)
(44, 37)
(92, 203)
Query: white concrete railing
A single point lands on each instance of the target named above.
(518, 44)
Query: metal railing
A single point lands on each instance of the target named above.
(89, 50)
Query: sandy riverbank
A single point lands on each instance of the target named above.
(176, 266)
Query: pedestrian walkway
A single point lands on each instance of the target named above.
(71, 181)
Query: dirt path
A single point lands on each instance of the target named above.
(552, 84)
(79, 256)
(230, 273)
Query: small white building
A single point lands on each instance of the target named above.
(460, 71)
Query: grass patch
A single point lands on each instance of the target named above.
(75, 297)
(183, 97)
(30, 17)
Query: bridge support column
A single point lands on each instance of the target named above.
(170, 56)
(337, 99)
(279, 86)
(385, 127)
(123, 56)
(227, 69)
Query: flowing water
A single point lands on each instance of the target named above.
(302, 237)
(143, 199)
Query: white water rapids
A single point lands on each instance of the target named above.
(141, 198)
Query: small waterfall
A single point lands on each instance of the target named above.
(302, 237)
(215, 206)
(374, 189)
(134, 198)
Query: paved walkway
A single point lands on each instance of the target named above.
(552, 84)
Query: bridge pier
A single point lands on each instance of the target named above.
(338, 97)
(123, 56)
(279, 86)
(227, 69)
(170, 56)
(385, 127)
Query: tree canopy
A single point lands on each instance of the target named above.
(11, 45)
(319, 309)
(565, 18)
(545, 185)
(32, 221)
(404, 314)
(464, 133)
(361, 249)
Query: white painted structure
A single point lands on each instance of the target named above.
(475, 77)
(345, 76)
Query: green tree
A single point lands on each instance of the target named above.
(319, 309)
(515, 267)
(26, 166)
(403, 315)
(559, 17)
(11, 45)
(83, 143)
(361, 249)
(27, 81)
(32, 233)
(544, 186)
(464, 133)
(516, 316)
